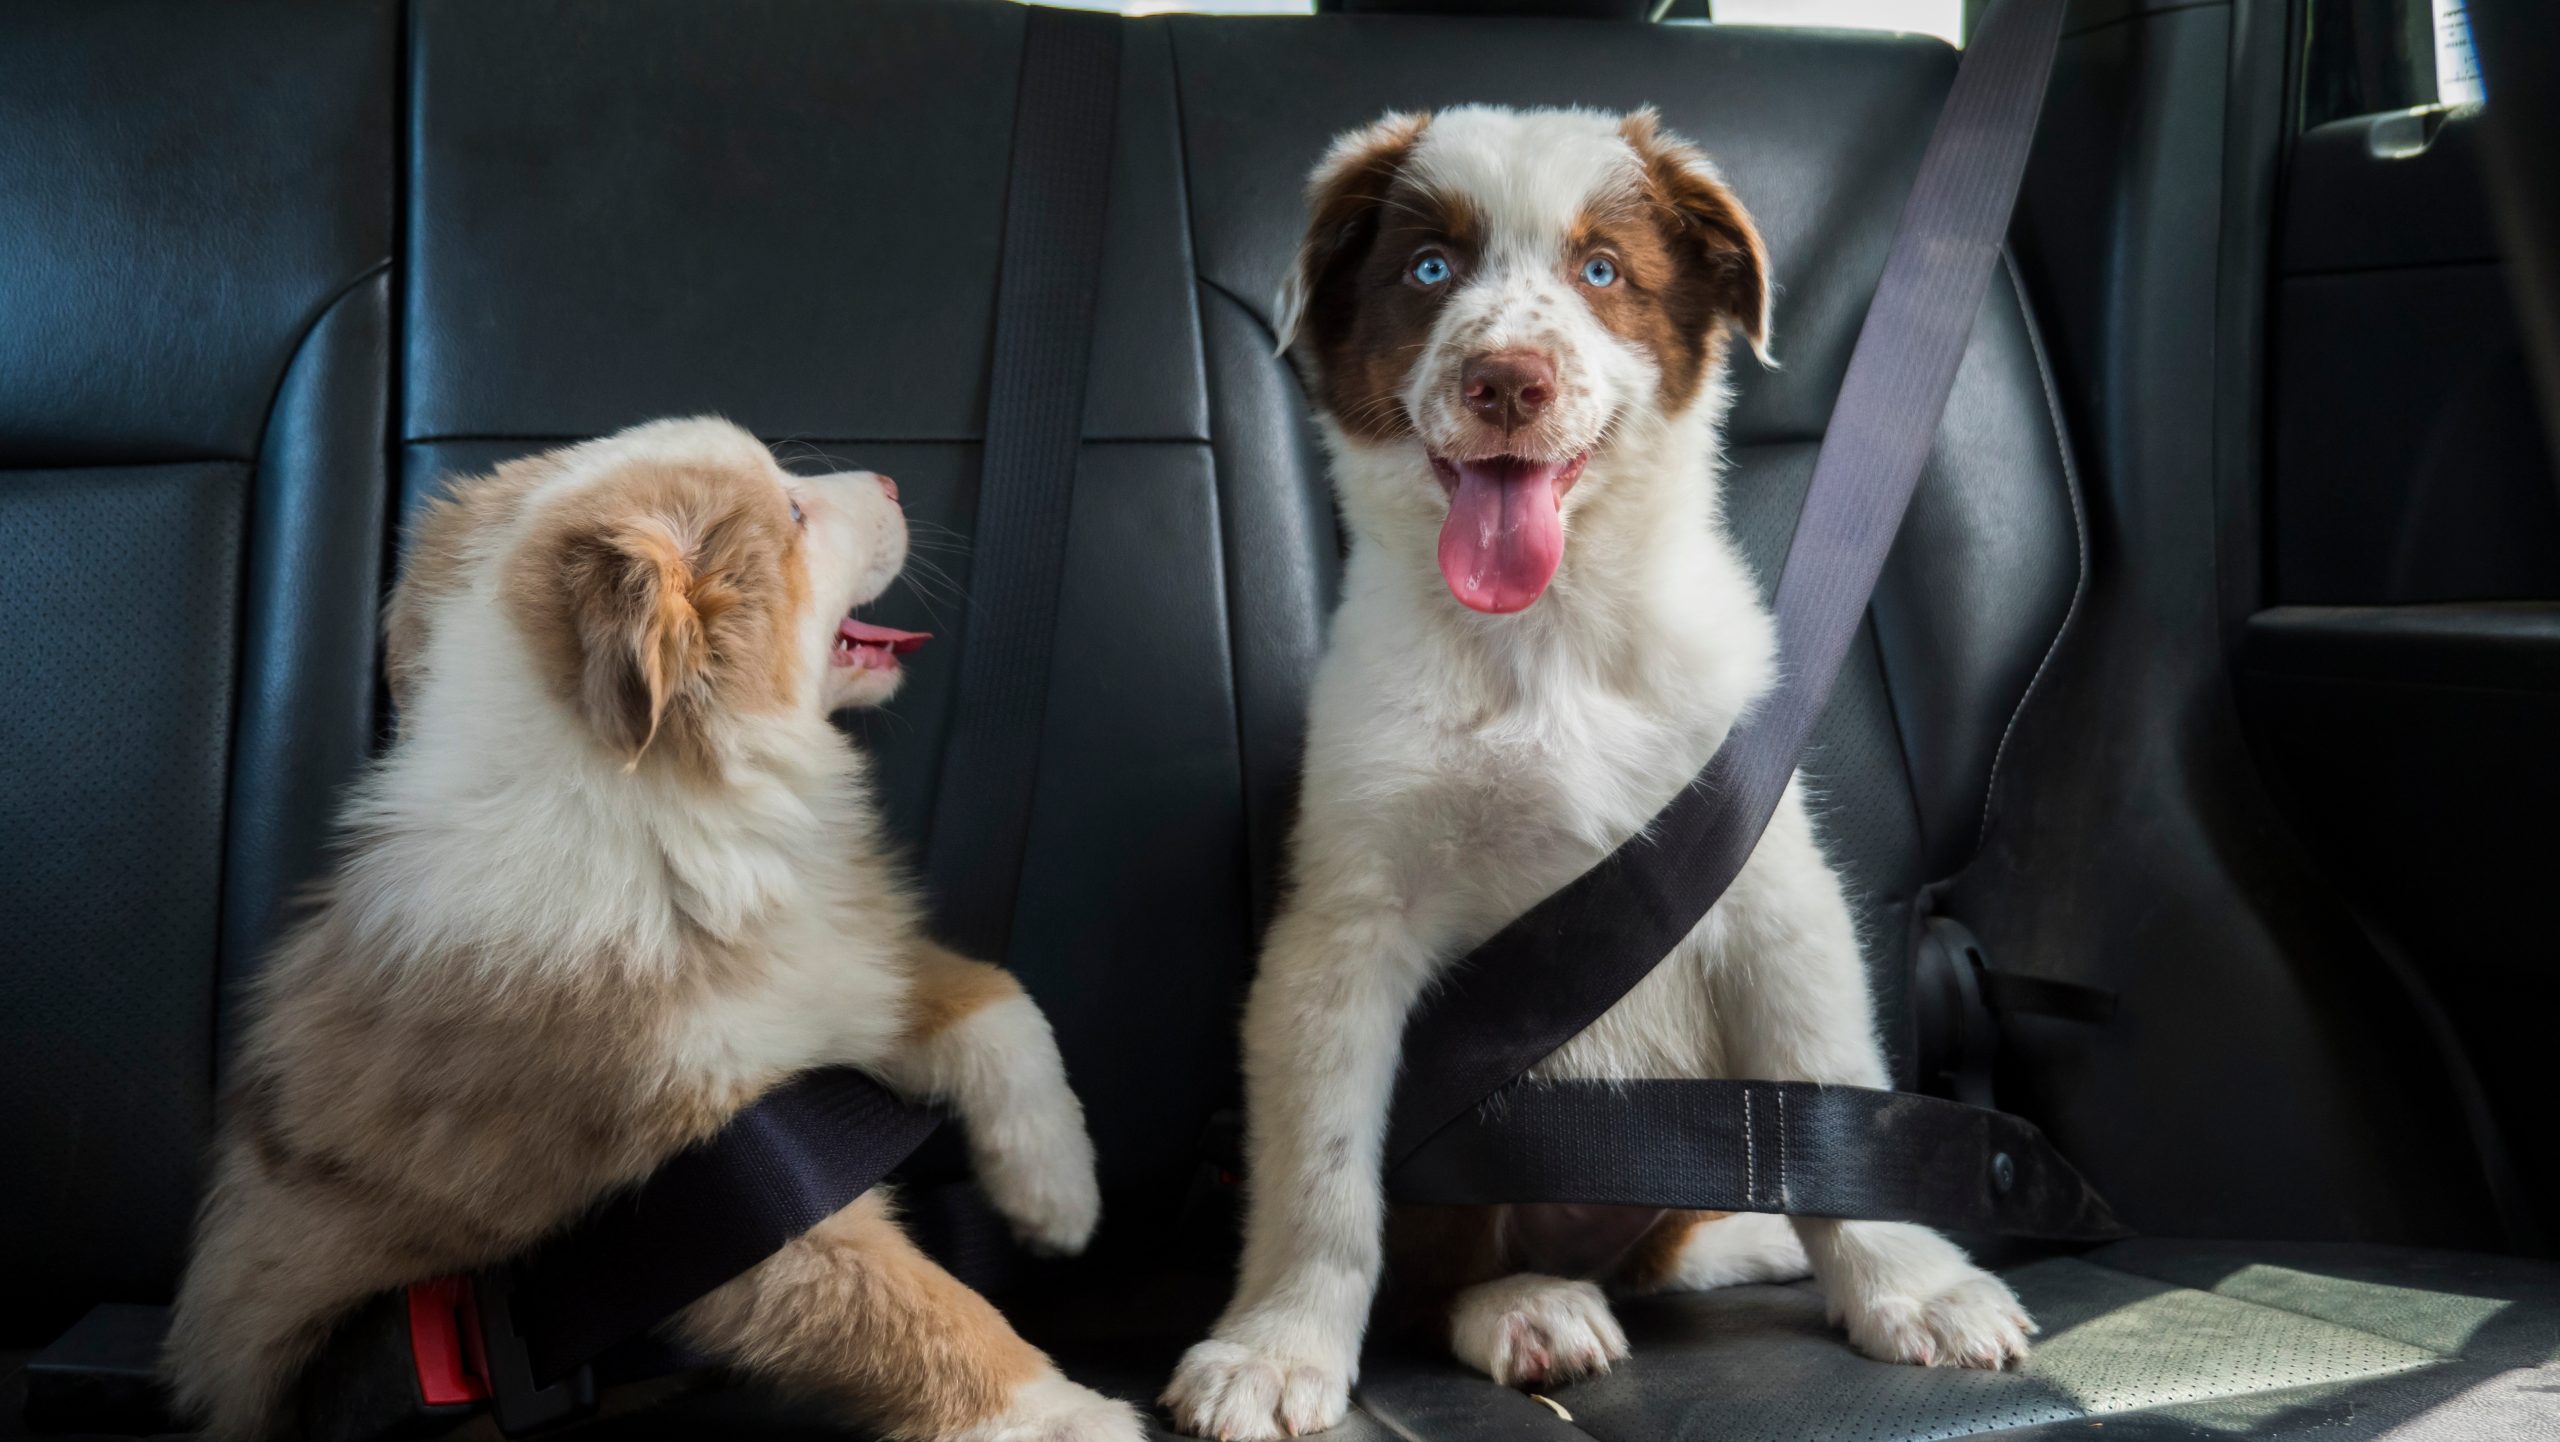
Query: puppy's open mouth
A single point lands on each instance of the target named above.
(1504, 536)
(867, 647)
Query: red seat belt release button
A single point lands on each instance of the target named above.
(444, 1343)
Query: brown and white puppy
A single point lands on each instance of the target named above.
(1513, 325)
(617, 876)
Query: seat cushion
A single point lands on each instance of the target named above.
(2143, 1339)
(2155, 1338)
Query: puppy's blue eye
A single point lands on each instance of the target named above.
(797, 519)
(1597, 271)
(1431, 270)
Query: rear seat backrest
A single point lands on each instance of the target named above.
(1819, 133)
(664, 207)
(195, 217)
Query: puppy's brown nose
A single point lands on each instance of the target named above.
(888, 487)
(1508, 388)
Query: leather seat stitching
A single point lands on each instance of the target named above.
(2079, 531)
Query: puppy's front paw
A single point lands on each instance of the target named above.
(1235, 1393)
(1973, 1321)
(1052, 1409)
(1041, 1181)
(1536, 1331)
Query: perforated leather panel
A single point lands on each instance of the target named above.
(2195, 1339)
(194, 203)
(2113, 1342)
(2148, 1340)
(115, 720)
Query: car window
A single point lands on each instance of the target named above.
(1138, 8)
(2367, 57)
(1942, 18)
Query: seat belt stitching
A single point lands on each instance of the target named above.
(2080, 538)
(1784, 1200)
(1750, 1151)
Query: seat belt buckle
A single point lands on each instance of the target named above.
(520, 1405)
(406, 1367)
(445, 1352)
(418, 1363)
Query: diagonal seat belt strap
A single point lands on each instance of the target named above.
(800, 1154)
(1045, 298)
(1559, 967)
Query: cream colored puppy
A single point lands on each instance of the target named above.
(616, 878)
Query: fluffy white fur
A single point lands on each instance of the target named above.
(1529, 1330)
(1000, 1068)
(1745, 1247)
(1461, 766)
(1049, 1408)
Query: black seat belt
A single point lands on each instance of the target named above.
(532, 1339)
(1045, 301)
(1761, 1145)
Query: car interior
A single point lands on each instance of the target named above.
(2192, 772)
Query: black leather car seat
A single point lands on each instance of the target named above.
(195, 322)
(227, 372)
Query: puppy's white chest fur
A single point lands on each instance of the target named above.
(832, 989)
(1480, 795)
(1481, 763)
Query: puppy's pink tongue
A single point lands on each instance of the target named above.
(1505, 533)
(863, 633)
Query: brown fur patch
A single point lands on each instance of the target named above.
(1655, 1257)
(1691, 261)
(1361, 323)
(389, 1123)
(1435, 1252)
(853, 1312)
(662, 598)
(949, 989)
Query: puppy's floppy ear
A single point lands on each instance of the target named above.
(637, 607)
(1709, 225)
(1344, 195)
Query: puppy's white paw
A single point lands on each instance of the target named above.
(1049, 1408)
(1534, 1331)
(1041, 1181)
(1973, 1321)
(1235, 1393)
